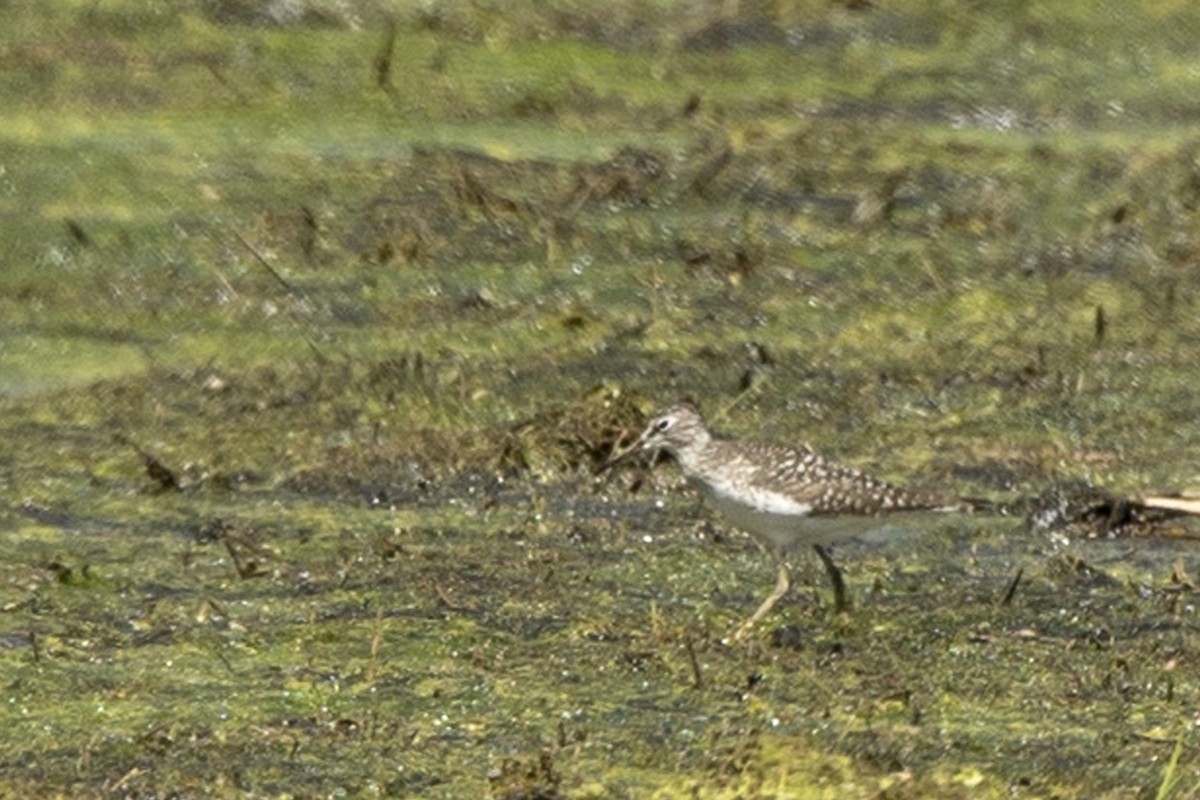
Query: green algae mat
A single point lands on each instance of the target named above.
(318, 318)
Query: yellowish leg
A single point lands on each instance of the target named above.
(781, 587)
(840, 601)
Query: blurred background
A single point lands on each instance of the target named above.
(317, 316)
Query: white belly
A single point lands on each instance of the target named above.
(788, 525)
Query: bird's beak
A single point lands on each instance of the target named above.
(615, 458)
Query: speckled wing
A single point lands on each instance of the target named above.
(829, 488)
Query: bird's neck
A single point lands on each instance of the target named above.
(694, 456)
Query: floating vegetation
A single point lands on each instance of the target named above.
(316, 319)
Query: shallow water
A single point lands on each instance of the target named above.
(379, 340)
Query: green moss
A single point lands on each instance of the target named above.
(380, 336)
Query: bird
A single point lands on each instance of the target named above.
(784, 496)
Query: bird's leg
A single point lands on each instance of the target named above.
(781, 586)
(840, 601)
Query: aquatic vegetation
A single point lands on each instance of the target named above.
(316, 319)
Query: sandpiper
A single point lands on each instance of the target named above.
(785, 497)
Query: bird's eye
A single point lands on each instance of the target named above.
(662, 424)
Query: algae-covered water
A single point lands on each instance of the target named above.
(317, 318)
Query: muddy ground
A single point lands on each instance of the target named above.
(316, 321)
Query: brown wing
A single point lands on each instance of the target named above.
(832, 488)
